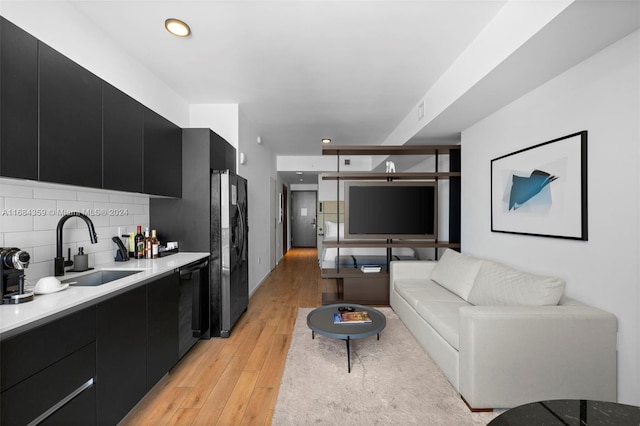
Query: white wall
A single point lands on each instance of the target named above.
(223, 117)
(259, 169)
(323, 163)
(30, 212)
(600, 95)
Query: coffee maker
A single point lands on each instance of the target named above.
(13, 262)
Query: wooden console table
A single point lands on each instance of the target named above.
(354, 286)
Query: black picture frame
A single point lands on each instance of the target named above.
(542, 190)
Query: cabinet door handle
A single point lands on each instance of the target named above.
(62, 402)
(185, 271)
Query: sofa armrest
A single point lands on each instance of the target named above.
(411, 269)
(511, 355)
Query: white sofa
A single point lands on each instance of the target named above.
(505, 337)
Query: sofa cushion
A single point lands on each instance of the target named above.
(498, 284)
(456, 272)
(414, 290)
(444, 317)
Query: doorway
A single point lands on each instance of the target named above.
(284, 217)
(303, 219)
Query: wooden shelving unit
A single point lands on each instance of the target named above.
(394, 243)
(389, 149)
(355, 286)
(385, 176)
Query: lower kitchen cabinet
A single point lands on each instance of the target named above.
(121, 359)
(162, 305)
(80, 411)
(137, 336)
(94, 365)
(50, 394)
(47, 373)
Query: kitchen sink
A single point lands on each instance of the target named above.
(99, 277)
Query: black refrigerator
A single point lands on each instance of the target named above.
(229, 289)
(210, 216)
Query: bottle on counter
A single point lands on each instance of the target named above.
(147, 244)
(155, 244)
(132, 245)
(139, 239)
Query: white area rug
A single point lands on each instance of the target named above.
(392, 382)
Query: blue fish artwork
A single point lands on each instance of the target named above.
(524, 188)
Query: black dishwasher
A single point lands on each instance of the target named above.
(194, 294)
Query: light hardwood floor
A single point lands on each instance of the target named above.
(235, 381)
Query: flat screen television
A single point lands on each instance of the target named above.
(391, 210)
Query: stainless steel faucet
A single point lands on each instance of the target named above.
(59, 263)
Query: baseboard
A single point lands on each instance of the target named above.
(476, 410)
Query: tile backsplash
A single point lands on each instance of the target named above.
(30, 212)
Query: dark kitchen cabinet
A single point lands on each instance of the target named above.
(123, 133)
(18, 102)
(162, 156)
(222, 155)
(137, 338)
(47, 365)
(70, 121)
(60, 123)
(217, 147)
(121, 358)
(230, 157)
(162, 316)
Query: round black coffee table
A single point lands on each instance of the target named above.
(320, 321)
(562, 412)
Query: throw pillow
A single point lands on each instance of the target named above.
(456, 272)
(498, 284)
(331, 230)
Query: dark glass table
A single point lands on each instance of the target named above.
(320, 321)
(570, 412)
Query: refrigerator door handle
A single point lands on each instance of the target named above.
(243, 229)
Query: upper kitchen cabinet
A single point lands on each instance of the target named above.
(123, 133)
(162, 156)
(230, 157)
(218, 150)
(18, 102)
(222, 155)
(70, 121)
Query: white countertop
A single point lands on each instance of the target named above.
(14, 318)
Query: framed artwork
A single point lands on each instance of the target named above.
(542, 190)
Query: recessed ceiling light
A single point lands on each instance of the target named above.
(299, 173)
(177, 27)
(326, 140)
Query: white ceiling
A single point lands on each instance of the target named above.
(300, 70)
